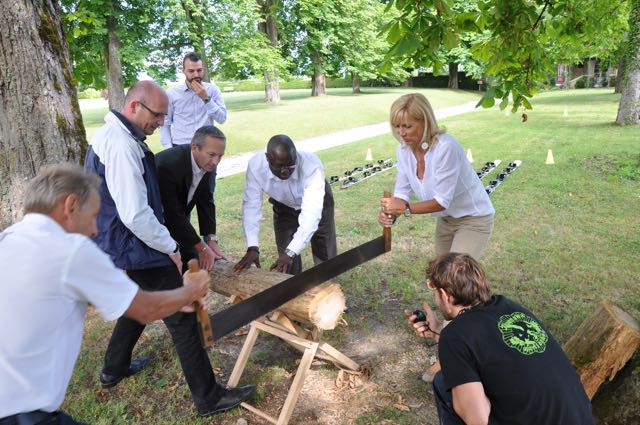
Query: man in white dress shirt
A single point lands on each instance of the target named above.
(192, 105)
(47, 287)
(302, 206)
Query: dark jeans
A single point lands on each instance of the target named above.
(40, 418)
(323, 241)
(444, 402)
(183, 328)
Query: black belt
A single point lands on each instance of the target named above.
(29, 418)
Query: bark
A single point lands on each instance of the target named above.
(193, 13)
(321, 306)
(269, 26)
(453, 76)
(115, 82)
(318, 82)
(355, 82)
(619, 76)
(40, 121)
(629, 108)
(602, 345)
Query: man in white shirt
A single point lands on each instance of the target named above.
(192, 104)
(46, 288)
(131, 230)
(302, 206)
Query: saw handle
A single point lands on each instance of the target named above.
(204, 322)
(386, 232)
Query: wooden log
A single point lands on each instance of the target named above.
(321, 306)
(602, 345)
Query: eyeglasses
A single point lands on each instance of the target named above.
(431, 285)
(154, 113)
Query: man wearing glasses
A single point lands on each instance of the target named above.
(302, 206)
(131, 231)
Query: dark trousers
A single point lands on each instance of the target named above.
(444, 402)
(323, 241)
(183, 328)
(39, 417)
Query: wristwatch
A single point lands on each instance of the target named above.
(407, 210)
(211, 237)
(290, 253)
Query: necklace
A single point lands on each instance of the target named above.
(425, 146)
(464, 310)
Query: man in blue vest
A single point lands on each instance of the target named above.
(131, 231)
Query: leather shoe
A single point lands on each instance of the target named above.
(136, 366)
(230, 399)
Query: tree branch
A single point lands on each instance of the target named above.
(535, 25)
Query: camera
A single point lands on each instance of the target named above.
(420, 316)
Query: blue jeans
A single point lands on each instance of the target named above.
(183, 328)
(444, 402)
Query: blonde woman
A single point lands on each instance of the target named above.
(433, 167)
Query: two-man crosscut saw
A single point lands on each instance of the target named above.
(244, 312)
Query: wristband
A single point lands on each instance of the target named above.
(253, 248)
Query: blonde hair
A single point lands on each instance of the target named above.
(417, 107)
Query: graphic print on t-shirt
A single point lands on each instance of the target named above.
(521, 332)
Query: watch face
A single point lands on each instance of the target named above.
(407, 212)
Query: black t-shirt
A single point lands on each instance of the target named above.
(525, 374)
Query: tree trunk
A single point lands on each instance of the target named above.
(269, 26)
(453, 76)
(321, 306)
(40, 121)
(355, 82)
(602, 345)
(115, 83)
(194, 21)
(318, 82)
(619, 76)
(629, 108)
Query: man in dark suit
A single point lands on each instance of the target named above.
(183, 174)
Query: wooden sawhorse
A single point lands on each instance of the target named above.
(307, 341)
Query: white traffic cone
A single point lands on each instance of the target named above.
(469, 156)
(369, 155)
(549, 158)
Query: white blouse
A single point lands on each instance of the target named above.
(448, 178)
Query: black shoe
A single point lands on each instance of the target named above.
(136, 366)
(230, 399)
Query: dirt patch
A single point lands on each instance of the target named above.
(387, 390)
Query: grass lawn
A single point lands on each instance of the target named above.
(251, 122)
(566, 236)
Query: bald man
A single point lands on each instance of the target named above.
(302, 206)
(131, 231)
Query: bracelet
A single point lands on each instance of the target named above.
(177, 248)
(254, 248)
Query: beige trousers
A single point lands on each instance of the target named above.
(467, 235)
